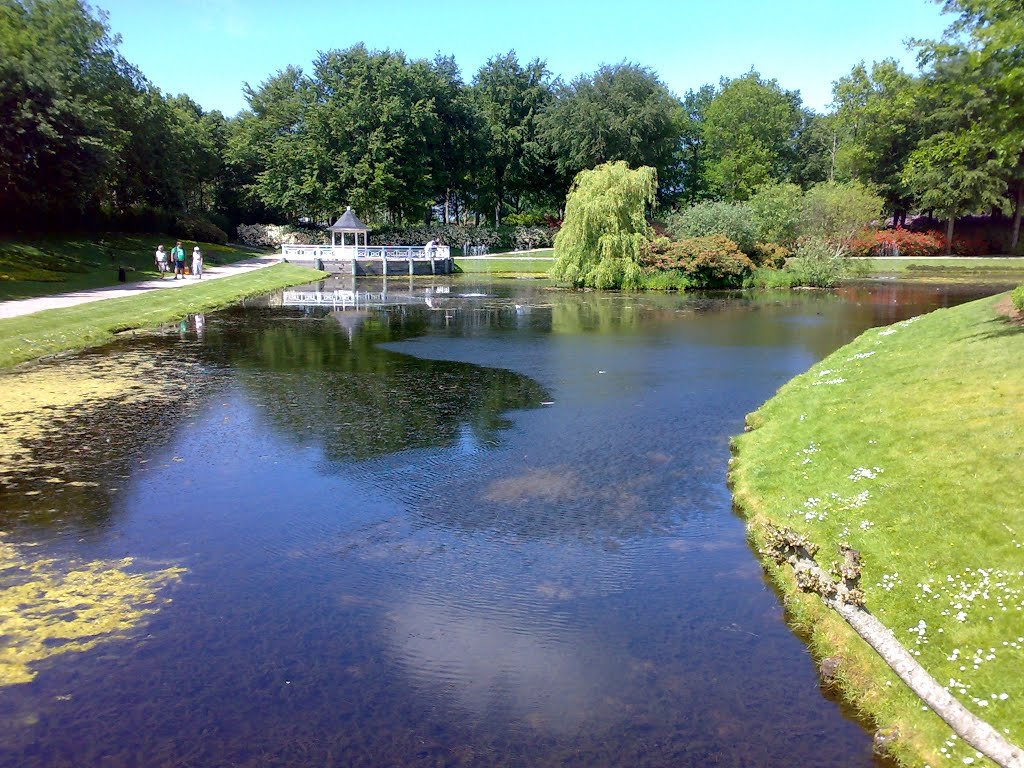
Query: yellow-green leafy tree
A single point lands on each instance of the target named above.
(605, 231)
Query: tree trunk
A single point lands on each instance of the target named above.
(835, 149)
(1018, 205)
(950, 223)
(845, 597)
(447, 199)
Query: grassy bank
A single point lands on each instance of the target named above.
(998, 268)
(48, 265)
(907, 444)
(58, 330)
(525, 264)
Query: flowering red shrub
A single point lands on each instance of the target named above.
(973, 244)
(714, 261)
(897, 242)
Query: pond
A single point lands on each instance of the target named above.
(450, 523)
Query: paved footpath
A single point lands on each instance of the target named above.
(19, 307)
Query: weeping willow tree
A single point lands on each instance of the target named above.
(605, 229)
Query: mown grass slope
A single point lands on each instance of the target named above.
(85, 325)
(42, 266)
(909, 444)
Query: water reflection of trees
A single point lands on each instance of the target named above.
(323, 385)
(88, 442)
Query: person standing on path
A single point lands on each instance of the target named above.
(197, 263)
(178, 255)
(161, 260)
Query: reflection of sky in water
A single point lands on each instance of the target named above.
(493, 657)
(382, 555)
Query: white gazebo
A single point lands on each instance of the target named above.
(350, 253)
(349, 227)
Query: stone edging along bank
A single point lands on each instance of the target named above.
(896, 385)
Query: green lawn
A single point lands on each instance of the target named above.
(1003, 267)
(58, 330)
(528, 263)
(47, 265)
(908, 444)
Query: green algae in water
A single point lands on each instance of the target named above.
(48, 610)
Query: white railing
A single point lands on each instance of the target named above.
(371, 252)
(345, 299)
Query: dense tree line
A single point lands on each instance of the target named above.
(83, 134)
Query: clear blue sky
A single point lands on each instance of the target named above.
(209, 48)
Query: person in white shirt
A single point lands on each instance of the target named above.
(429, 249)
(161, 260)
(197, 263)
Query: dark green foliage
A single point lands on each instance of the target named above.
(707, 262)
(693, 184)
(196, 228)
(84, 138)
(878, 121)
(374, 134)
(621, 112)
(87, 142)
(509, 99)
(59, 81)
(495, 238)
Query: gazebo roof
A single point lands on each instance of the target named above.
(348, 222)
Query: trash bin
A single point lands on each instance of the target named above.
(122, 276)
(320, 264)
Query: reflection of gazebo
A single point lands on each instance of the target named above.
(349, 224)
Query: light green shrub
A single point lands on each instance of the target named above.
(816, 264)
(777, 210)
(732, 220)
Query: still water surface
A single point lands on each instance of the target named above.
(487, 527)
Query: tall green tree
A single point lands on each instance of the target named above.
(974, 74)
(460, 145)
(750, 131)
(878, 122)
(198, 147)
(956, 173)
(815, 150)
(693, 156)
(60, 74)
(621, 112)
(509, 98)
(275, 140)
(605, 231)
(376, 132)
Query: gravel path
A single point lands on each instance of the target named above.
(19, 307)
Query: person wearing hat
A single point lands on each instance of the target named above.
(197, 263)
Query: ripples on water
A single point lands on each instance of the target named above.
(490, 531)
